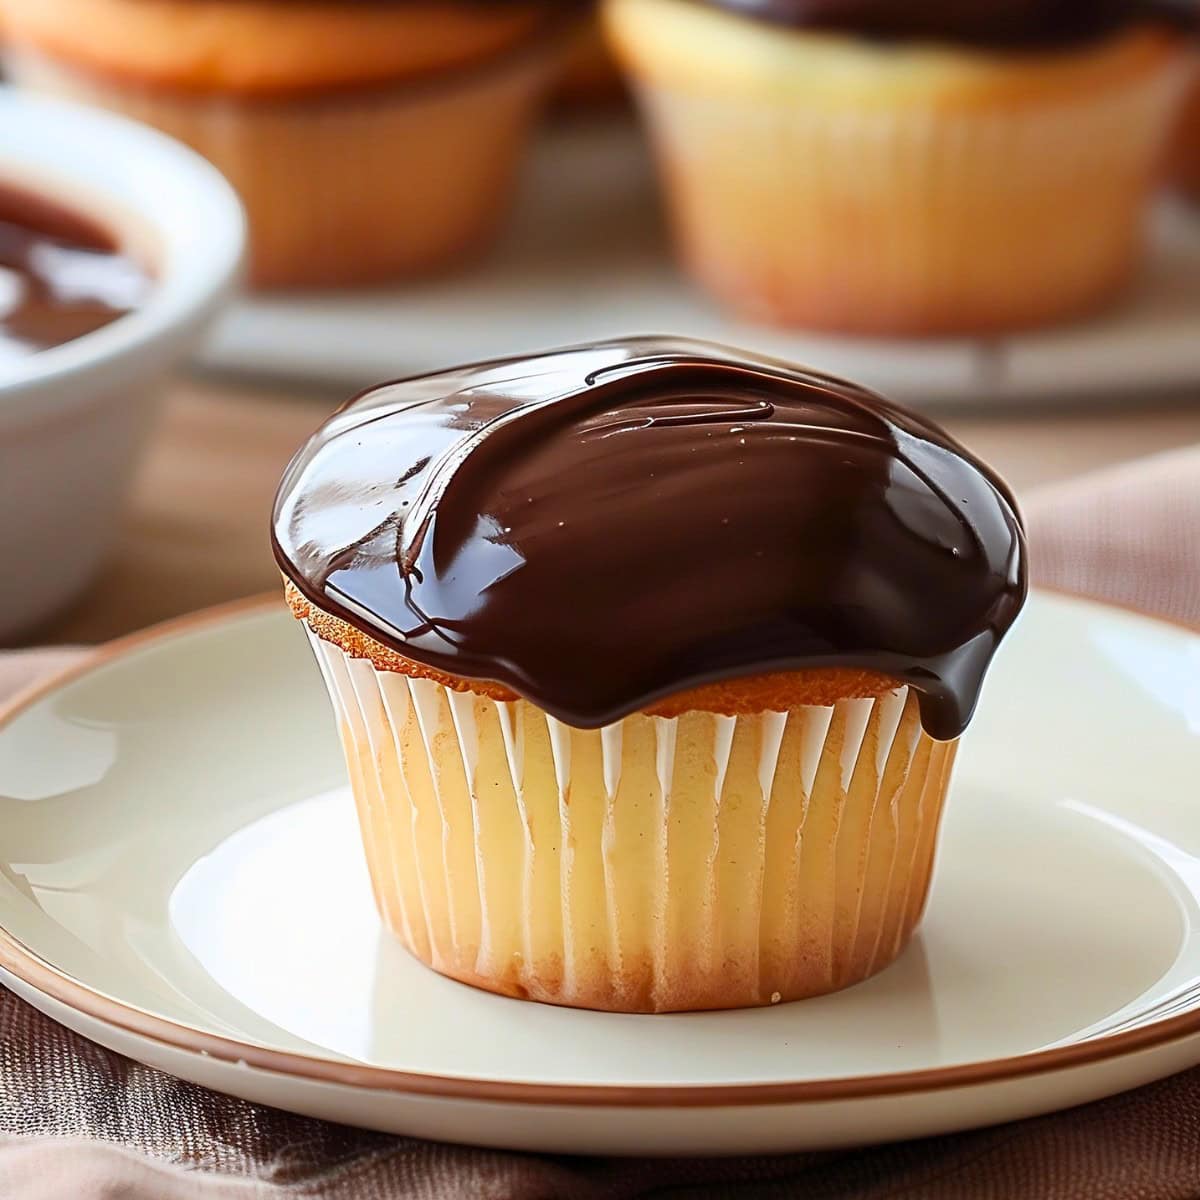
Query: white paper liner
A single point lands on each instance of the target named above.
(660, 863)
(915, 219)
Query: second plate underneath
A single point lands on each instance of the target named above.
(587, 257)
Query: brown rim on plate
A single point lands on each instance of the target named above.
(26, 965)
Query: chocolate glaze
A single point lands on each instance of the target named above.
(602, 526)
(61, 275)
(988, 23)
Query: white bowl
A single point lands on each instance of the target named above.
(74, 418)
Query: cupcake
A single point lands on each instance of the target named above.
(650, 661)
(370, 140)
(899, 167)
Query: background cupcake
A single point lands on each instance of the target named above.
(648, 700)
(905, 168)
(369, 140)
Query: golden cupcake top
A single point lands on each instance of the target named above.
(708, 48)
(600, 528)
(264, 48)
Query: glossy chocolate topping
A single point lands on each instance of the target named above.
(61, 275)
(998, 23)
(603, 526)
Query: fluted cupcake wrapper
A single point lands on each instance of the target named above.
(701, 861)
(348, 188)
(912, 219)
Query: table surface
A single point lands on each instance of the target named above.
(196, 530)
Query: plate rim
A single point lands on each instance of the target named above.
(23, 963)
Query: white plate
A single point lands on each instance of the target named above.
(180, 879)
(586, 257)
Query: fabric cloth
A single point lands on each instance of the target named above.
(80, 1123)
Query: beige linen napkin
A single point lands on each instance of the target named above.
(80, 1123)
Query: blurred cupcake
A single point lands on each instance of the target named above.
(650, 662)
(592, 78)
(1185, 159)
(896, 167)
(369, 140)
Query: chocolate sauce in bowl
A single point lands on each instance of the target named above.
(600, 527)
(62, 275)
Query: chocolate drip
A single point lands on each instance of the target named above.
(61, 275)
(1001, 24)
(600, 527)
